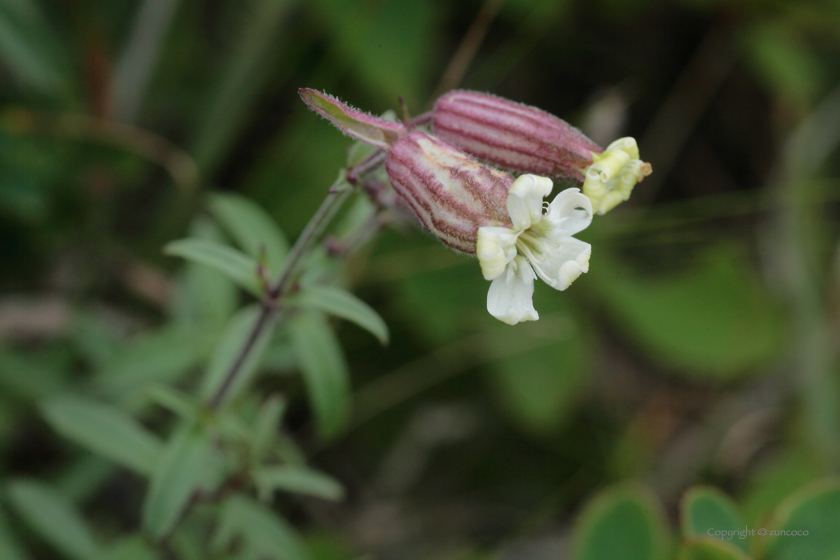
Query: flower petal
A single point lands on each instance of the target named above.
(495, 248)
(562, 262)
(613, 174)
(569, 213)
(525, 200)
(510, 296)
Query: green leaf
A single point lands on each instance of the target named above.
(252, 228)
(715, 321)
(53, 518)
(174, 401)
(10, 549)
(265, 428)
(159, 356)
(623, 522)
(237, 266)
(299, 480)
(265, 535)
(204, 296)
(188, 464)
(324, 371)
(815, 509)
(707, 549)
(345, 305)
(774, 481)
(228, 350)
(103, 429)
(705, 509)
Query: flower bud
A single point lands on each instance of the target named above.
(529, 140)
(512, 135)
(450, 193)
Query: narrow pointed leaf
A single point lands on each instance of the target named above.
(187, 465)
(156, 357)
(324, 371)
(252, 228)
(175, 401)
(265, 535)
(203, 295)
(300, 480)
(234, 264)
(55, 519)
(345, 305)
(105, 430)
(267, 424)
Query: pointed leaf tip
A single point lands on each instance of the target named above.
(357, 124)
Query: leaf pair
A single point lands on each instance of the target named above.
(257, 234)
(626, 522)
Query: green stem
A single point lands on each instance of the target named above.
(270, 304)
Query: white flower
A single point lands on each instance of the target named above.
(541, 241)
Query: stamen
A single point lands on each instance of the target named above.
(531, 246)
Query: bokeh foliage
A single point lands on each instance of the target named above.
(688, 382)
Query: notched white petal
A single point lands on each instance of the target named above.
(495, 248)
(542, 242)
(510, 298)
(569, 212)
(525, 200)
(562, 262)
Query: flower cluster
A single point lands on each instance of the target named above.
(485, 211)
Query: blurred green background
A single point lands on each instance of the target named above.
(701, 348)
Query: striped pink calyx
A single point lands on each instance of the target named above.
(449, 192)
(513, 136)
